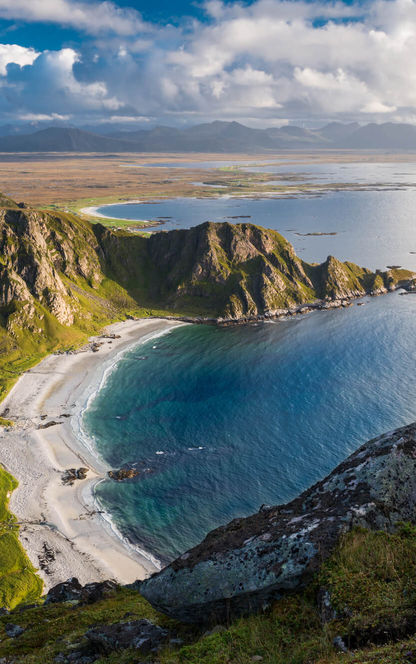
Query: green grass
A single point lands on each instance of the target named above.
(5, 423)
(371, 579)
(18, 580)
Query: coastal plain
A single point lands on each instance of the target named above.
(75, 181)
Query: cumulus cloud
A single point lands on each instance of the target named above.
(17, 54)
(93, 17)
(264, 63)
(49, 87)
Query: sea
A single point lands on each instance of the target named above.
(222, 420)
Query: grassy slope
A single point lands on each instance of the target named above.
(18, 579)
(372, 584)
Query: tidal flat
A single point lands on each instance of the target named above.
(73, 181)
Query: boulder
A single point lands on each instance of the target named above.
(94, 592)
(123, 474)
(71, 474)
(67, 591)
(240, 568)
(141, 635)
(71, 590)
(13, 631)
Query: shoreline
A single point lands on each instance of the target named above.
(92, 211)
(67, 520)
(62, 529)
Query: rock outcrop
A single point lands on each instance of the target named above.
(141, 635)
(123, 474)
(73, 591)
(242, 567)
(55, 264)
(39, 250)
(233, 271)
(62, 278)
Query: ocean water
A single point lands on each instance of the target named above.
(221, 421)
(373, 228)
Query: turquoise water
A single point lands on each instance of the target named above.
(373, 228)
(227, 419)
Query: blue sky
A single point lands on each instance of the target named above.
(264, 62)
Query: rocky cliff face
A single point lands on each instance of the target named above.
(242, 567)
(40, 254)
(56, 265)
(232, 271)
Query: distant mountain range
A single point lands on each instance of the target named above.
(215, 136)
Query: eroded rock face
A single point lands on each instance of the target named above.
(221, 270)
(241, 567)
(233, 271)
(40, 252)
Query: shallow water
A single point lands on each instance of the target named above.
(384, 174)
(228, 419)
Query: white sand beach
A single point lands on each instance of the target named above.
(60, 524)
(93, 211)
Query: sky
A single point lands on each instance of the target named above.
(141, 63)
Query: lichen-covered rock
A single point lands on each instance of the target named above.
(241, 567)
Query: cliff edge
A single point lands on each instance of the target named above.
(242, 567)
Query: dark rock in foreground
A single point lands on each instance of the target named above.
(142, 635)
(72, 591)
(13, 631)
(240, 568)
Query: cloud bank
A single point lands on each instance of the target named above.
(264, 64)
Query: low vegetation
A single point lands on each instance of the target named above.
(18, 580)
(369, 579)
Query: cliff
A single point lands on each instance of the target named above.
(232, 271)
(53, 291)
(244, 566)
(62, 278)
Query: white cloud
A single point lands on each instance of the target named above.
(17, 54)
(128, 118)
(43, 117)
(93, 17)
(49, 87)
(270, 61)
(377, 107)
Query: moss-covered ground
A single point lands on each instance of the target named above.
(371, 580)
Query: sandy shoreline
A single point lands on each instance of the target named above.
(93, 211)
(57, 518)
